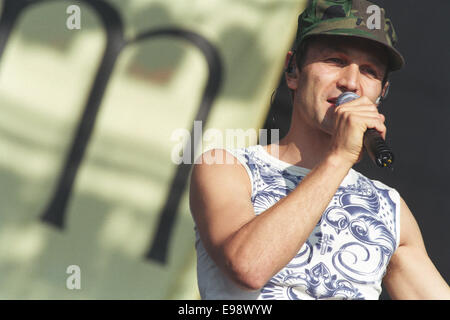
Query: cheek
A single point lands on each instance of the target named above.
(312, 97)
(314, 82)
(324, 78)
(371, 89)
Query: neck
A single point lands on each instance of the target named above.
(303, 146)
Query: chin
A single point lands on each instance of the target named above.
(327, 127)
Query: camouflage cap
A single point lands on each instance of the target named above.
(356, 18)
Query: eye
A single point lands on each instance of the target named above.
(336, 60)
(370, 71)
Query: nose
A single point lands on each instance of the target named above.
(349, 79)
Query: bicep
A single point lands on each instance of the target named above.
(220, 202)
(411, 274)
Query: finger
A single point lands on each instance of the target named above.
(355, 108)
(360, 101)
(363, 121)
(345, 116)
(363, 112)
(377, 125)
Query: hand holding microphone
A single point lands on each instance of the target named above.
(375, 145)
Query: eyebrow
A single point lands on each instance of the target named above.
(337, 48)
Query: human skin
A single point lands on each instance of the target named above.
(333, 65)
(327, 139)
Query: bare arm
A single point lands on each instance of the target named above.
(411, 275)
(251, 249)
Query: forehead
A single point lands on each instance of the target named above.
(353, 46)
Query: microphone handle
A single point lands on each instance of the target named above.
(377, 149)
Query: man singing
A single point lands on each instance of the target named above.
(293, 220)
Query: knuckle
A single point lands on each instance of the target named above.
(372, 108)
(380, 126)
(338, 110)
(341, 113)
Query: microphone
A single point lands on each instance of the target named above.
(375, 145)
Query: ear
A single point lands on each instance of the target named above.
(291, 71)
(385, 90)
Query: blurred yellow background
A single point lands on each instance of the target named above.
(46, 74)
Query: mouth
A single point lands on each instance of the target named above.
(332, 101)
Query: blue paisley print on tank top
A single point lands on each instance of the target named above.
(347, 253)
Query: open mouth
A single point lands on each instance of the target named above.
(332, 101)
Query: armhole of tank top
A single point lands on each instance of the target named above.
(396, 197)
(243, 163)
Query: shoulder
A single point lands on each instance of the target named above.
(219, 196)
(240, 161)
(411, 234)
(222, 170)
(220, 156)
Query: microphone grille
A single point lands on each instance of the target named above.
(346, 97)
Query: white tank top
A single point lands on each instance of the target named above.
(347, 253)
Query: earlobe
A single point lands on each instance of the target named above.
(292, 79)
(384, 93)
(385, 90)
